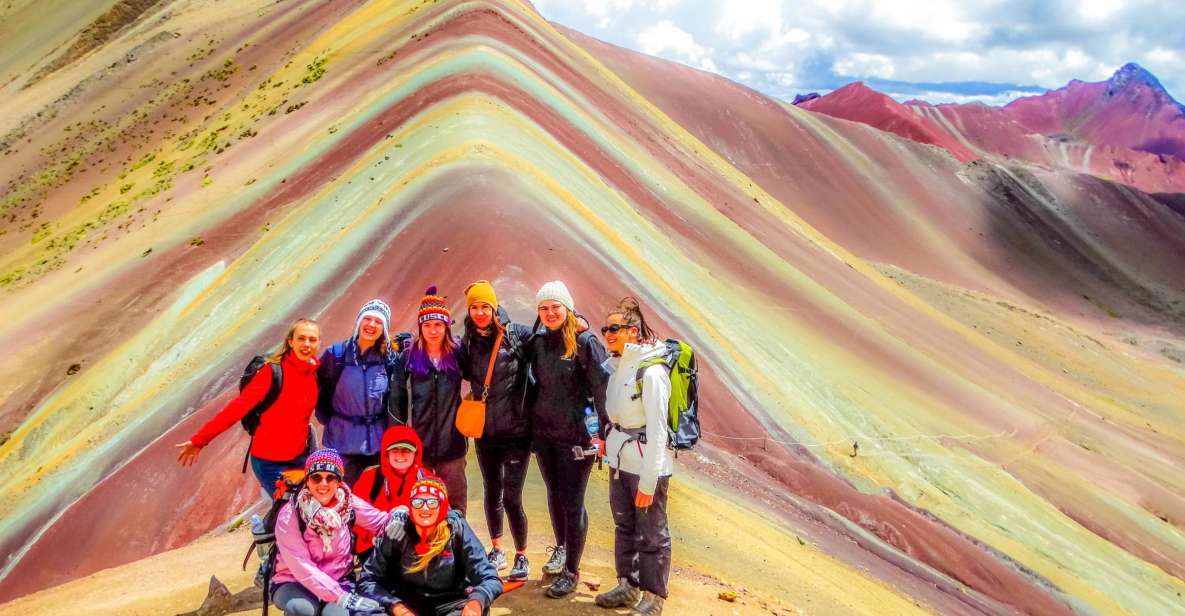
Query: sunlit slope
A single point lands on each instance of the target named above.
(319, 155)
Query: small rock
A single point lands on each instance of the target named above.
(593, 586)
(73, 369)
(727, 595)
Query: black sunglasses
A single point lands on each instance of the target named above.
(613, 329)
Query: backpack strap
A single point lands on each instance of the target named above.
(376, 487)
(460, 558)
(273, 394)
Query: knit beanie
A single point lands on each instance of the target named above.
(555, 291)
(481, 291)
(325, 460)
(374, 308)
(434, 307)
(429, 487)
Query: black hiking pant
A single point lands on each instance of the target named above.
(566, 480)
(642, 541)
(504, 472)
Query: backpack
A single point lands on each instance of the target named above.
(250, 421)
(683, 408)
(263, 539)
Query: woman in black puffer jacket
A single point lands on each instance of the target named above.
(504, 449)
(425, 392)
(569, 376)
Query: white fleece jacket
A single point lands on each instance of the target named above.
(652, 460)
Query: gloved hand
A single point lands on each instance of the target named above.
(397, 527)
(357, 603)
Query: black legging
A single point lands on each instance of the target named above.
(566, 479)
(504, 471)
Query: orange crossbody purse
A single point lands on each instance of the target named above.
(471, 415)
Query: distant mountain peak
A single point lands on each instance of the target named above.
(1131, 76)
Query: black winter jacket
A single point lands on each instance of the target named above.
(385, 579)
(563, 387)
(432, 399)
(507, 417)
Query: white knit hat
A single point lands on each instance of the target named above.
(374, 308)
(555, 291)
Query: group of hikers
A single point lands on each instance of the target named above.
(388, 488)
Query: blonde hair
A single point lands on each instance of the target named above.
(286, 346)
(436, 544)
(569, 331)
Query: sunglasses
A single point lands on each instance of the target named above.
(324, 478)
(613, 329)
(425, 503)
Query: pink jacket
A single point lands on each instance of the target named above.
(303, 559)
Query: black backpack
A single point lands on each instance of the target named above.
(250, 421)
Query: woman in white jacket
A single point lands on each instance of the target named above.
(636, 450)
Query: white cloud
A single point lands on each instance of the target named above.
(668, 40)
(865, 65)
(824, 43)
(737, 19)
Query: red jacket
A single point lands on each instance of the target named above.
(396, 489)
(284, 427)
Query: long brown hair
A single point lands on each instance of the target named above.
(630, 312)
(436, 543)
(286, 346)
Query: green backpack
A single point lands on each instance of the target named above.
(683, 409)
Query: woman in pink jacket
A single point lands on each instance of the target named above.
(315, 563)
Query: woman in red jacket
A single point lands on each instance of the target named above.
(388, 485)
(282, 440)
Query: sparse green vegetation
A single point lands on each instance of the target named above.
(315, 70)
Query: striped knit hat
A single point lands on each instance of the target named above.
(326, 460)
(374, 308)
(434, 307)
(429, 487)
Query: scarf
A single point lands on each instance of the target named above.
(323, 520)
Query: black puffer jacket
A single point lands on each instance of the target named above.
(433, 399)
(506, 413)
(563, 387)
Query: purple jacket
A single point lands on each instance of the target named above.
(303, 558)
(352, 404)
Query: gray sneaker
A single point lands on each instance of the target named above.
(650, 605)
(564, 585)
(522, 567)
(555, 564)
(623, 595)
(497, 559)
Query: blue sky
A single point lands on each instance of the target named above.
(937, 50)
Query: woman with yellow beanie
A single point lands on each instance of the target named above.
(504, 449)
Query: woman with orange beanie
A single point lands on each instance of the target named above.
(504, 449)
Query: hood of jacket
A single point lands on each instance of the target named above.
(396, 434)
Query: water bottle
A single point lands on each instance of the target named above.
(591, 423)
(256, 524)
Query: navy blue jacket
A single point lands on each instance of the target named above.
(460, 572)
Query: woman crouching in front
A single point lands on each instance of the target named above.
(438, 567)
(315, 561)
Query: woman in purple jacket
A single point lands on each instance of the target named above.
(353, 379)
(315, 558)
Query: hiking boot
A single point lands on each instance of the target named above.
(497, 559)
(521, 568)
(623, 595)
(563, 585)
(650, 605)
(555, 564)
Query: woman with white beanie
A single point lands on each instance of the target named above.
(567, 365)
(353, 380)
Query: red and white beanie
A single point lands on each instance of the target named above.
(434, 308)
